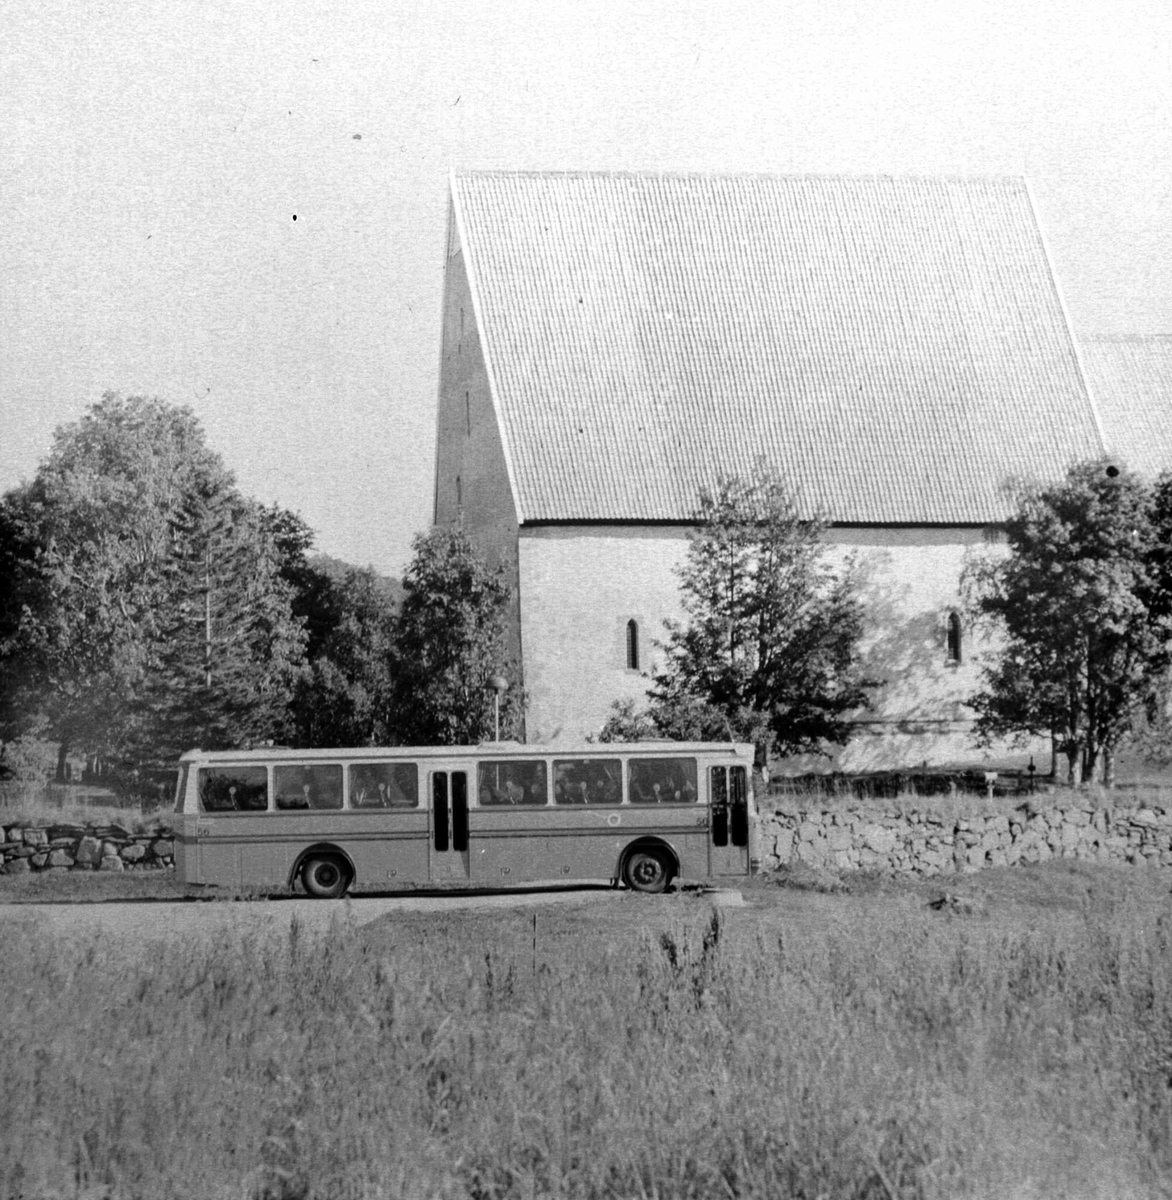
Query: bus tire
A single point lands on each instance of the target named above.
(325, 876)
(646, 871)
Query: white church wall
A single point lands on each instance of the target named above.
(580, 587)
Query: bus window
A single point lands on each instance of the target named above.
(308, 787)
(588, 781)
(662, 780)
(384, 785)
(511, 783)
(181, 788)
(233, 789)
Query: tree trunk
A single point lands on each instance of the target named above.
(1074, 765)
(761, 769)
(63, 761)
(1090, 765)
(1109, 769)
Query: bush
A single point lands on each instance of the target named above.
(28, 759)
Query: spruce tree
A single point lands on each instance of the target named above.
(768, 651)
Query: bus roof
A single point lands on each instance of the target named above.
(650, 749)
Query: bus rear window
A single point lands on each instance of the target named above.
(512, 783)
(662, 780)
(233, 789)
(588, 781)
(308, 786)
(384, 785)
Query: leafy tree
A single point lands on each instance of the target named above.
(1082, 604)
(345, 697)
(128, 538)
(348, 615)
(451, 639)
(768, 652)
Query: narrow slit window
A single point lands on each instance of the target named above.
(954, 637)
(459, 494)
(468, 413)
(632, 645)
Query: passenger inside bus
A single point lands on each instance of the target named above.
(663, 781)
(502, 783)
(384, 785)
(241, 789)
(587, 781)
(302, 787)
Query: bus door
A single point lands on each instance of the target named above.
(728, 842)
(448, 855)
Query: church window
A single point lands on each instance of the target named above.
(954, 637)
(632, 645)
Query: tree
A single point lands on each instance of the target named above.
(768, 653)
(345, 697)
(450, 641)
(230, 653)
(1081, 602)
(140, 573)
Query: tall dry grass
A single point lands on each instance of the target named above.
(68, 804)
(482, 1056)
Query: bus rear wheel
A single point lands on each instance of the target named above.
(646, 871)
(325, 877)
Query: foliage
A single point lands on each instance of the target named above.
(452, 638)
(129, 539)
(628, 723)
(1082, 604)
(768, 651)
(28, 759)
(344, 698)
(348, 615)
(230, 651)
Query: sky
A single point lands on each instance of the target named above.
(241, 207)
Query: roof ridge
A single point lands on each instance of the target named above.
(603, 173)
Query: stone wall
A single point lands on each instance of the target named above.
(895, 837)
(27, 848)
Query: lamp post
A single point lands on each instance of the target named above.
(499, 685)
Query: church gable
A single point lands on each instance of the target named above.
(472, 480)
(896, 347)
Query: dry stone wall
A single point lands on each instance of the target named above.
(899, 839)
(27, 848)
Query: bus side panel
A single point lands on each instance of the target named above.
(218, 853)
(510, 845)
(580, 842)
(387, 848)
(264, 859)
(181, 834)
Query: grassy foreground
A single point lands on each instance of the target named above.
(811, 1045)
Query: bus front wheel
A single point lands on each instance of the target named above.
(646, 871)
(325, 877)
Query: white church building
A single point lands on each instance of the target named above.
(897, 348)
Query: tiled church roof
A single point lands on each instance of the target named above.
(1131, 381)
(896, 346)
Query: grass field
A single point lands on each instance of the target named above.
(815, 1043)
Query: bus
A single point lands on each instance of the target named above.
(640, 814)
